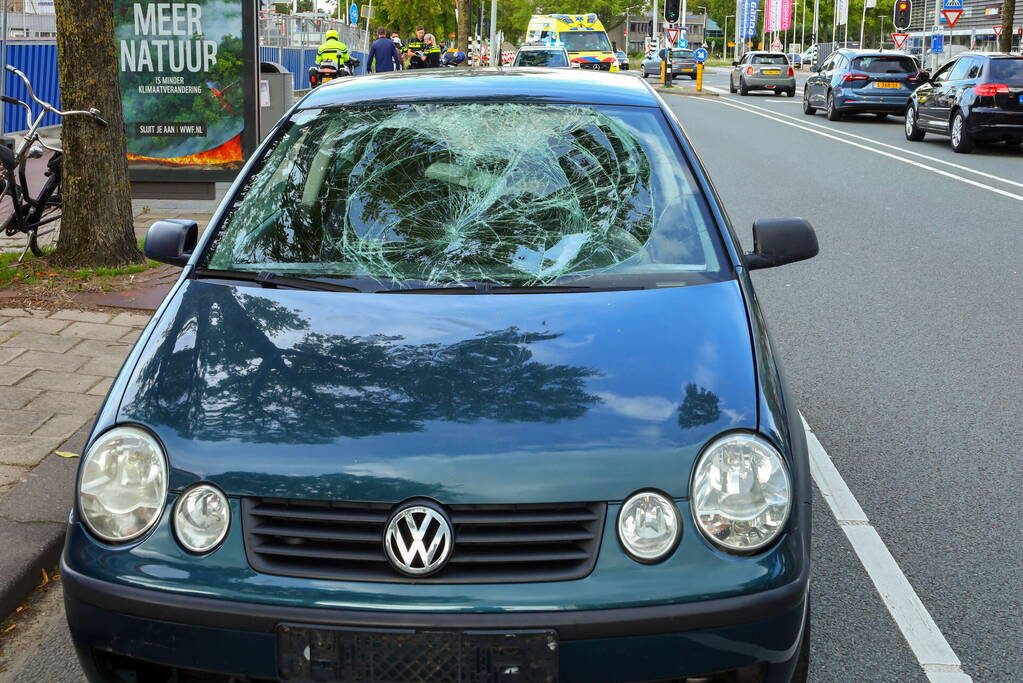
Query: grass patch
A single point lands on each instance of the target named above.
(34, 271)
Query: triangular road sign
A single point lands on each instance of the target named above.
(951, 16)
(672, 34)
(997, 30)
(900, 39)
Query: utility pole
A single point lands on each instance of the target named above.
(724, 48)
(813, 36)
(655, 32)
(495, 49)
(3, 72)
(937, 26)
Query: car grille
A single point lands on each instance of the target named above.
(493, 543)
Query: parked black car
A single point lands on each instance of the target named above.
(862, 81)
(977, 97)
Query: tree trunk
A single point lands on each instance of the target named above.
(97, 227)
(1008, 12)
(463, 25)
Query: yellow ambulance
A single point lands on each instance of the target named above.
(582, 35)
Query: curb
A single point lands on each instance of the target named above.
(683, 92)
(33, 522)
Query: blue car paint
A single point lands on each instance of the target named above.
(694, 572)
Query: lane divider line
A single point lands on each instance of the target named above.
(773, 117)
(935, 656)
(809, 122)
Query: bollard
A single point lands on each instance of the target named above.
(699, 77)
(663, 70)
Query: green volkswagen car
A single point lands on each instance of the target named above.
(469, 385)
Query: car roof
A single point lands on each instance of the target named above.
(991, 55)
(496, 84)
(541, 47)
(856, 52)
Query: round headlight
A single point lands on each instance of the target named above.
(648, 526)
(201, 518)
(123, 485)
(741, 493)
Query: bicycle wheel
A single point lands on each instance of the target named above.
(43, 238)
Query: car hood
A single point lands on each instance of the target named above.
(461, 398)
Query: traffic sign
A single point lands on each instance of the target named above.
(776, 45)
(937, 43)
(997, 30)
(353, 14)
(701, 54)
(683, 43)
(672, 35)
(951, 16)
(900, 39)
(953, 4)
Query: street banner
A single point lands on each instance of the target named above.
(187, 74)
(748, 20)
(778, 15)
(841, 12)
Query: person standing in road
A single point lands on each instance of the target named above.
(383, 55)
(414, 49)
(431, 53)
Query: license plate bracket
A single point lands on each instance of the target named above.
(322, 653)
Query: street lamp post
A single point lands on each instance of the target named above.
(724, 48)
(703, 32)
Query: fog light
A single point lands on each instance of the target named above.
(648, 526)
(201, 518)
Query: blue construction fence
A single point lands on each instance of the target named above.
(38, 61)
(297, 60)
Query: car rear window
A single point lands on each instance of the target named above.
(1006, 71)
(769, 59)
(684, 54)
(553, 58)
(885, 65)
(505, 193)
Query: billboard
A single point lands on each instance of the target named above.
(187, 74)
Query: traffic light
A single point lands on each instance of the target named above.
(903, 8)
(672, 10)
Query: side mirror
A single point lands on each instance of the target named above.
(171, 241)
(815, 68)
(735, 63)
(924, 77)
(777, 241)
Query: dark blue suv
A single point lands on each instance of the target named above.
(862, 81)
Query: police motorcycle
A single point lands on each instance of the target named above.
(452, 58)
(328, 70)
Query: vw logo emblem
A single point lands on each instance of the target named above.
(418, 540)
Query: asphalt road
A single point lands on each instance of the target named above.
(902, 346)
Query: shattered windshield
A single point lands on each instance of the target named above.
(507, 193)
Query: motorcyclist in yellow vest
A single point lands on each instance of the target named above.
(333, 49)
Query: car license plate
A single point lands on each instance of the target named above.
(770, 72)
(887, 84)
(686, 68)
(306, 653)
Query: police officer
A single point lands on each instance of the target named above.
(414, 48)
(333, 49)
(431, 53)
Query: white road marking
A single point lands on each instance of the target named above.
(932, 651)
(776, 117)
(810, 122)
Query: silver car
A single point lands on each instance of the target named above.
(763, 71)
(683, 63)
(543, 55)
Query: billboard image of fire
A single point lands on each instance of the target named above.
(181, 71)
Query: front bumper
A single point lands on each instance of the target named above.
(151, 627)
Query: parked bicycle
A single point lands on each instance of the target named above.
(35, 215)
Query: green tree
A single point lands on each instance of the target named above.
(97, 228)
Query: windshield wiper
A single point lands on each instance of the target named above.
(271, 280)
(488, 288)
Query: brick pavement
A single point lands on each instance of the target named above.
(55, 369)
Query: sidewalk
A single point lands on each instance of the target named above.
(56, 367)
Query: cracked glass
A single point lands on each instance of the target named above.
(448, 194)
